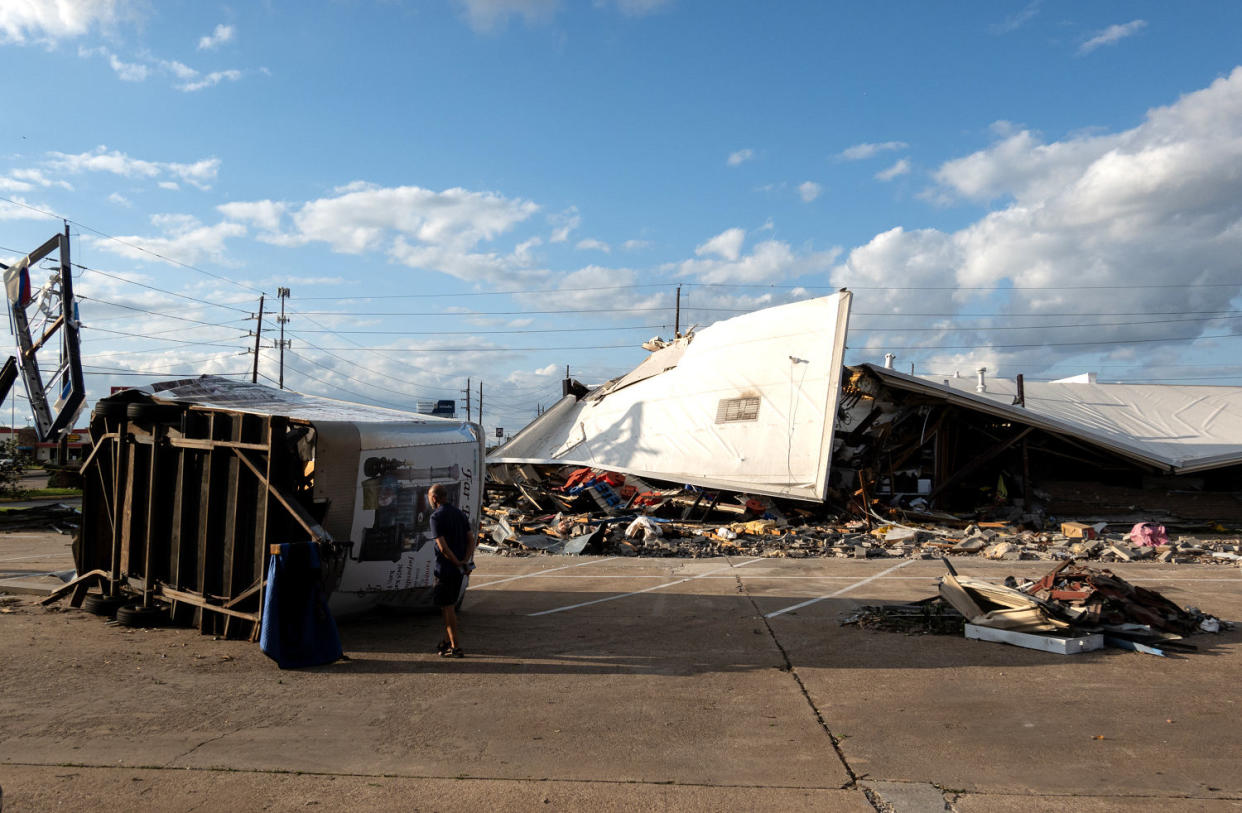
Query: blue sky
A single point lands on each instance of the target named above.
(1041, 188)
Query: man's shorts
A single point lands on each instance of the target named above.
(448, 587)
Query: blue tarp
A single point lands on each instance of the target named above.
(298, 629)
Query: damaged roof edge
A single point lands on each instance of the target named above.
(673, 422)
(1026, 416)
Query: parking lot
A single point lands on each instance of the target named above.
(619, 683)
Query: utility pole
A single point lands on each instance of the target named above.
(467, 399)
(258, 331)
(677, 316)
(480, 403)
(283, 293)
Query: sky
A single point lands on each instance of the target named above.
(495, 190)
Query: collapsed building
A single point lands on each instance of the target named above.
(761, 406)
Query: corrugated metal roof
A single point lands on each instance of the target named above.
(1177, 427)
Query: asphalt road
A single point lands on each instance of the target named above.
(617, 684)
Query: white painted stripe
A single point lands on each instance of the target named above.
(541, 572)
(33, 556)
(843, 590)
(644, 590)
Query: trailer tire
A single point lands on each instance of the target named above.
(135, 615)
(96, 604)
(154, 413)
(111, 409)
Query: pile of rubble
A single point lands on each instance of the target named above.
(1060, 612)
(564, 510)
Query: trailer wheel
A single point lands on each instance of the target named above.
(96, 604)
(111, 409)
(138, 616)
(155, 413)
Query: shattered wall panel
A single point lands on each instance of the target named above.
(665, 426)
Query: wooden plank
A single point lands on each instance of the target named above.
(207, 444)
(176, 537)
(232, 497)
(164, 591)
(291, 505)
(86, 578)
(126, 478)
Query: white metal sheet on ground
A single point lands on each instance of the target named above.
(1182, 428)
(749, 406)
(1044, 643)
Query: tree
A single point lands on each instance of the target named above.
(11, 467)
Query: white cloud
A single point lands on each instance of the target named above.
(184, 239)
(210, 80)
(563, 224)
(859, 152)
(727, 244)
(740, 157)
(119, 200)
(902, 167)
(11, 184)
(18, 210)
(769, 261)
(172, 186)
(128, 71)
(592, 244)
(641, 8)
(1112, 35)
(489, 15)
(1141, 221)
(1018, 19)
(265, 214)
(178, 69)
(809, 191)
(420, 228)
(23, 20)
(523, 252)
(199, 173)
(219, 36)
(635, 245)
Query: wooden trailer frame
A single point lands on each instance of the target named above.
(182, 504)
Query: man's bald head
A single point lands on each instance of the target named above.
(438, 494)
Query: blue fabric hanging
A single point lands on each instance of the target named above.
(297, 629)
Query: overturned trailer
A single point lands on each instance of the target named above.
(191, 483)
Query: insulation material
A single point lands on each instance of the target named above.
(1179, 428)
(747, 404)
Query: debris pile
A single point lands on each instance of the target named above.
(51, 517)
(1061, 612)
(576, 510)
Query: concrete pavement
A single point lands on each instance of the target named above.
(624, 683)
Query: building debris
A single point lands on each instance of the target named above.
(564, 502)
(1074, 608)
(63, 519)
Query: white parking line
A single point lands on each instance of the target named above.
(644, 590)
(541, 572)
(32, 556)
(842, 591)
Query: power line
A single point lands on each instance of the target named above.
(145, 310)
(149, 335)
(482, 332)
(134, 246)
(161, 290)
(983, 348)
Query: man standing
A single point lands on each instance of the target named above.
(454, 550)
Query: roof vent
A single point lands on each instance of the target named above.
(981, 385)
(889, 358)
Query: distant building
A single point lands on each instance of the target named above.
(45, 452)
